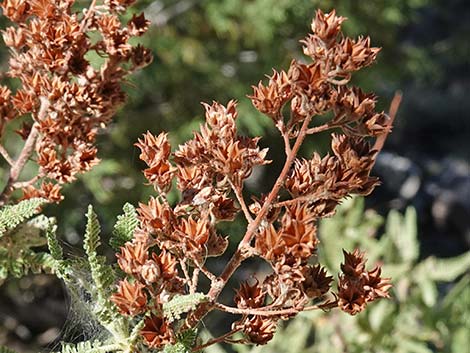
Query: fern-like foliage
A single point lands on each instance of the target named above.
(124, 227)
(17, 254)
(53, 244)
(101, 273)
(98, 290)
(19, 234)
(181, 304)
(12, 216)
(185, 342)
(178, 347)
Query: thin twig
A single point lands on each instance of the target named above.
(239, 254)
(244, 249)
(321, 128)
(6, 155)
(184, 267)
(23, 184)
(194, 281)
(241, 200)
(342, 82)
(216, 340)
(293, 201)
(285, 136)
(264, 312)
(206, 272)
(89, 13)
(19, 164)
(392, 113)
(26, 152)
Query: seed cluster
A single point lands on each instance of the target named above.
(168, 253)
(70, 66)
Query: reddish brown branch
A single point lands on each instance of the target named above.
(19, 164)
(88, 15)
(270, 312)
(392, 113)
(238, 193)
(216, 340)
(240, 254)
(26, 152)
(321, 128)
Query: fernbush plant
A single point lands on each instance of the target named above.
(163, 247)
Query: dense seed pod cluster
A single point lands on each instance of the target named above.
(70, 66)
(168, 253)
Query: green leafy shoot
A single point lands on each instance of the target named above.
(124, 227)
(12, 216)
(181, 304)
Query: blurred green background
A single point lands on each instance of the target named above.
(215, 50)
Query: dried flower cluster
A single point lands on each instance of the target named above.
(167, 255)
(68, 96)
(357, 286)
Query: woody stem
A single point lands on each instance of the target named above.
(26, 152)
(5, 155)
(392, 113)
(238, 193)
(240, 253)
(265, 312)
(88, 15)
(317, 129)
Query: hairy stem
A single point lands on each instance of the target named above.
(194, 281)
(206, 272)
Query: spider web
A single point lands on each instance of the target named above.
(81, 323)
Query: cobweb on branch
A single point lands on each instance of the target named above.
(81, 323)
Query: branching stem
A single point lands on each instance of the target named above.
(216, 340)
(244, 248)
(26, 152)
(321, 128)
(238, 194)
(268, 312)
(6, 155)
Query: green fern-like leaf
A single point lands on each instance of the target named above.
(52, 243)
(101, 273)
(103, 279)
(185, 342)
(178, 347)
(124, 227)
(92, 234)
(181, 304)
(17, 256)
(12, 216)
